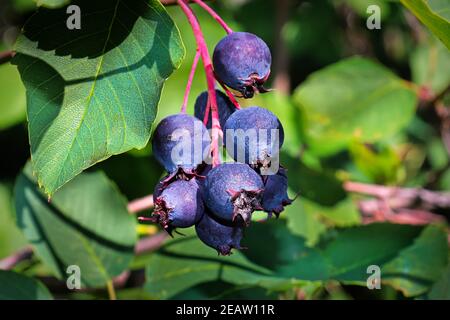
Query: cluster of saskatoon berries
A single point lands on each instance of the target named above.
(219, 200)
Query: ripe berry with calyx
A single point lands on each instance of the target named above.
(233, 192)
(242, 62)
(180, 143)
(219, 236)
(178, 205)
(253, 135)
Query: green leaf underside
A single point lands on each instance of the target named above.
(93, 92)
(14, 286)
(283, 260)
(424, 266)
(435, 14)
(86, 224)
(348, 101)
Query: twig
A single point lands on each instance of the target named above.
(10, 262)
(149, 244)
(214, 15)
(140, 204)
(405, 196)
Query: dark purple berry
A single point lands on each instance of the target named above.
(180, 143)
(178, 205)
(275, 196)
(226, 107)
(233, 191)
(253, 135)
(221, 237)
(242, 62)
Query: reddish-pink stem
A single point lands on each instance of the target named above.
(140, 204)
(214, 15)
(190, 79)
(201, 44)
(230, 96)
(207, 110)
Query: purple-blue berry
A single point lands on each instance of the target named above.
(181, 142)
(233, 192)
(242, 62)
(253, 135)
(221, 237)
(178, 205)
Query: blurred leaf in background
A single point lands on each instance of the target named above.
(347, 102)
(18, 287)
(86, 224)
(12, 91)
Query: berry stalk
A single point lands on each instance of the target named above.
(210, 79)
(214, 15)
(190, 79)
(230, 95)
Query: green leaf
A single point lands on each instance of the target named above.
(278, 260)
(437, 153)
(381, 166)
(12, 91)
(225, 291)
(355, 249)
(11, 239)
(347, 101)
(52, 4)
(441, 289)
(434, 14)
(186, 262)
(420, 265)
(93, 92)
(430, 65)
(304, 222)
(86, 224)
(444, 182)
(14, 286)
